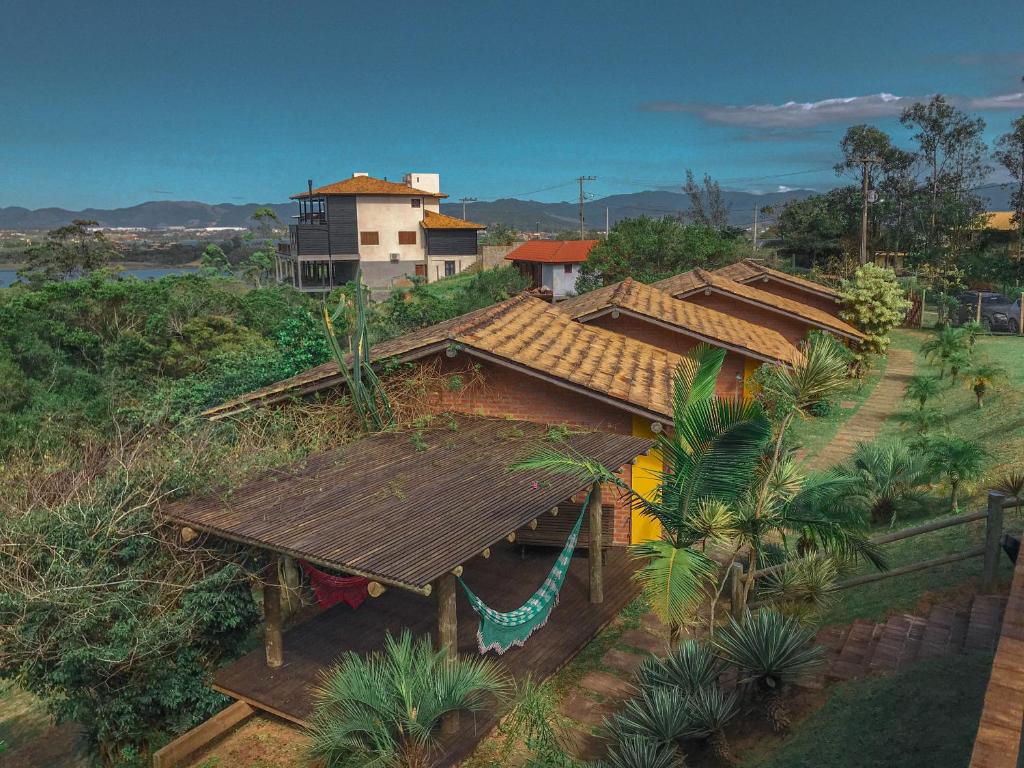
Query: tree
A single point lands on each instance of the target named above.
(922, 388)
(819, 227)
(499, 234)
(260, 265)
(982, 376)
(874, 302)
(947, 343)
(951, 148)
(957, 460)
(383, 709)
(214, 263)
(653, 249)
(1009, 153)
(707, 207)
(75, 249)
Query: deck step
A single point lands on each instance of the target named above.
(856, 651)
(898, 643)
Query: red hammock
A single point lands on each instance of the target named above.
(330, 590)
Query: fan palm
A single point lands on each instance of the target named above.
(708, 459)
(959, 361)
(689, 667)
(383, 710)
(771, 651)
(885, 478)
(1012, 484)
(638, 752)
(948, 341)
(957, 460)
(921, 388)
(983, 376)
(710, 710)
(922, 420)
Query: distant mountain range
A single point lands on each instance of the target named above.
(525, 215)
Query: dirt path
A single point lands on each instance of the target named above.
(869, 418)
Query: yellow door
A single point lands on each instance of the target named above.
(645, 481)
(750, 367)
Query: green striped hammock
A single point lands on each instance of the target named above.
(500, 631)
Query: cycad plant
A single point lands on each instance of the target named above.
(369, 399)
(982, 376)
(639, 752)
(657, 714)
(885, 478)
(922, 389)
(771, 651)
(708, 459)
(957, 460)
(1012, 484)
(948, 341)
(710, 710)
(690, 666)
(383, 709)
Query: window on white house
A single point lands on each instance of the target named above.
(568, 269)
(449, 268)
(416, 202)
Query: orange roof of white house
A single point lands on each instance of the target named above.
(432, 220)
(367, 185)
(697, 280)
(708, 325)
(553, 251)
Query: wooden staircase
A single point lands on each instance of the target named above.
(867, 647)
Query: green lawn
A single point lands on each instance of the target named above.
(924, 717)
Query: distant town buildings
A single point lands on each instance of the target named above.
(391, 230)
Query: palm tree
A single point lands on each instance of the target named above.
(946, 342)
(710, 710)
(708, 459)
(771, 651)
(885, 478)
(384, 709)
(956, 459)
(921, 388)
(982, 376)
(923, 419)
(1012, 484)
(959, 361)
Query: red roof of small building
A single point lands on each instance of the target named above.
(553, 251)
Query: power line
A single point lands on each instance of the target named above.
(465, 200)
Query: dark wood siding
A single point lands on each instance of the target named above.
(341, 218)
(311, 239)
(451, 242)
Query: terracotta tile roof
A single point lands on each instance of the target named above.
(709, 325)
(696, 280)
(367, 185)
(522, 332)
(748, 270)
(433, 220)
(553, 251)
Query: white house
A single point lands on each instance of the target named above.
(552, 265)
(391, 230)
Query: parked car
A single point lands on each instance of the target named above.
(998, 312)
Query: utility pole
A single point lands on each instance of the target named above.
(582, 179)
(866, 163)
(756, 212)
(465, 200)
(606, 222)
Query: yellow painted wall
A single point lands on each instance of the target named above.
(645, 481)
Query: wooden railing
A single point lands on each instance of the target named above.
(993, 515)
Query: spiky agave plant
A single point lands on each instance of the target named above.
(770, 650)
(690, 666)
(383, 709)
(657, 714)
(710, 710)
(634, 751)
(801, 588)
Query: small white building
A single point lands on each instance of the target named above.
(552, 265)
(391, 230)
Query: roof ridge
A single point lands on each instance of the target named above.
(620, 291)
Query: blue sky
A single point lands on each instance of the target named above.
(113, 103)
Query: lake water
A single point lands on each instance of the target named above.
(9, 276)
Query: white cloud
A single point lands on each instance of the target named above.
(849, 109)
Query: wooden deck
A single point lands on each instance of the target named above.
(505, 581)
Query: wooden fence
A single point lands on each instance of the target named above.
(989, 551)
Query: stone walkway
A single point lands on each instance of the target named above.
(866, 422)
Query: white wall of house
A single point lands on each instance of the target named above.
(561, 282)
(436, 266)
(387, 215)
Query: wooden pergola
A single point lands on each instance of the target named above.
(406, 510)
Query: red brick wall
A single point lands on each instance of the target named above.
(493, 390)
(634, 328)
(798, 294)
(793, 328)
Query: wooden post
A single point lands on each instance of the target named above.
(448, 636)
(594, 553)
(1020, 320)
(737, 595)
(272, 615)
(993, 533)
(977, 310)
(924, 296)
